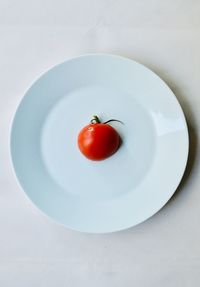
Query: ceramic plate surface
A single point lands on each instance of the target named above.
(126, 188)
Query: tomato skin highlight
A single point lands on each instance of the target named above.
(98, 141)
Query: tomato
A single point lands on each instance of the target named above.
(98, 141)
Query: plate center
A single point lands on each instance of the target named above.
(102, 180)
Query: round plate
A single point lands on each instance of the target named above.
(126, 188)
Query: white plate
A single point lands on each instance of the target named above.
(126, 188)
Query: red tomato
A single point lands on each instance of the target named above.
(97, 141)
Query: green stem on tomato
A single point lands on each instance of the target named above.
(95, 120)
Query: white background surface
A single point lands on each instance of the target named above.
(165, 36)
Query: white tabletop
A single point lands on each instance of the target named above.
(165, 36)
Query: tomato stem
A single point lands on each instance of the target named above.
(95, 120)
